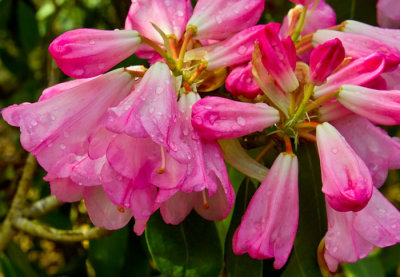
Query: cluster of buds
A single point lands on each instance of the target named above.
(136, 140)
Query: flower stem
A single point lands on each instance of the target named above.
(309, 89)
(188, 35)
(288, 145)
(300, 25)
(321, 100)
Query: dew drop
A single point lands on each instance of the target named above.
(92, 42)
(34, 122)
(185, 131)
(335, 249)
(79, 72)
(179, 13)
(394, 226)
(159, 90)
(173, 147)
(241, 121)
(62, 146)
(382, 210)
(208, 107)
(53, 117)
(101, 66)
(334, 150)
(151, 110)
(242, 49)
(218, 19)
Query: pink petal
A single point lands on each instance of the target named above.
(379, 151)
(102, 212)
(388, 13)
(99, 141)
(346, 180)
(53, 129)
(150, 109)
(87, 172)
(279, 57)
(324, 59)
(211, 17)
(262, 232)
(61, 87)
(379, 106)
(175, 209)
(358, 72)
(170, 16)
(333, 110)
(84, 53)
(392, 79)
(139, 226)
(220, 118)
(358, 46)
(241, 82)
(143, 202)
(64, 189)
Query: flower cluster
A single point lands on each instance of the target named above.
(135, 140)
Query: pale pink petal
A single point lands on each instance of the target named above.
(140, 225)
(175, 209)
(379, 151)
(64, 189)
(279, 57)
(150, 110)
(262, 232)
(211, 17)
(87, 171)
(320, 18)
(84, 53)
(358, 46)
(392, 79)
(241, 82)
(143, 202)
(102, 212)
(324, 59)
(99, 141)
(61, 87)
(346, 180)
(219, 118)
(333, 110)
(388, 13)
(170, 16)
(53, 129)
(379, 106)
(357, 72)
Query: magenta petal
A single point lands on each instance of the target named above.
(220, 118)
(84, 53)
(324, 59)
(262, 232)
(241, 82)
(346, 180)
(53, 129)
(170, 16)
(392, 79)
(64, 189)
(379, 151)
(358, 72)
(102, 212)
(150, 110)
(379, 106)
(358, 46)
(211, 17)
(87, 172)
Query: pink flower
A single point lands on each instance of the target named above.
(53, 129)
(357, 72)
(324, 59)
(279, 57)
(268, 227)
(353, 235)
(346, 180)
(221, 118)
(211, 17)
(84, 53)
(241, 82)
(379, 106)
(388, 13)
(379, 151)
(358, 46)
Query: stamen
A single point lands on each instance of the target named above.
(308, 136)
(307, 125)
(187, 87)
(172, 44)
(188, 35)
(304, 48)
(293, 22)
(288, 144)
(121, 209)
(205, 201)
(197, 72)
(161, 170)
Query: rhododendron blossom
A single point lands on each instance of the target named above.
(134, 141)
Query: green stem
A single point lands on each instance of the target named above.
(320, 100)
(42, 207)
(308, 92)
(300, 25)
(155, 46)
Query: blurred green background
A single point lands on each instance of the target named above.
(26, 29)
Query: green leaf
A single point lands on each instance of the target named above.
(389, 257)
(241, 265)
(20, 261)
(5, 12)
(312, 218)
(107, 255)
(189, 249)
(371, 266)
(28, 32)
(8, 269)
(137, 260)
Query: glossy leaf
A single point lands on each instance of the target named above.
(189, 249)
(241, 265)
(312, 217)
(369, 267)
(28, 32)
(20, 262)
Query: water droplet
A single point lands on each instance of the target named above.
(179, 13)
(382, 210)
(49, 144)
(335, 249)
(53, 117)
(62, 146)
(34, 122)
(394, 226)
(248, 80)
(159, 90)
(334, 150)
(92, 42)
(218, 19)
(143, 97)
(66, 134)
(242, 49)
(185, 131)
(78, 72)
(173, 147)
(241, 121)
(151, 110)
(208, 107)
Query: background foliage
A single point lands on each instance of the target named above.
(196, 247)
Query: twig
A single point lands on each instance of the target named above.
(42, 207)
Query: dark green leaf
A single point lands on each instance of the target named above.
(20, 261)
(241, 265)
(189, 249)
(361, 10)
(137, 260)
(5, 12)
(7, 267)
(107, 255)
(312, 218)
(28, 32)
(369, 267)
(389, 257)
